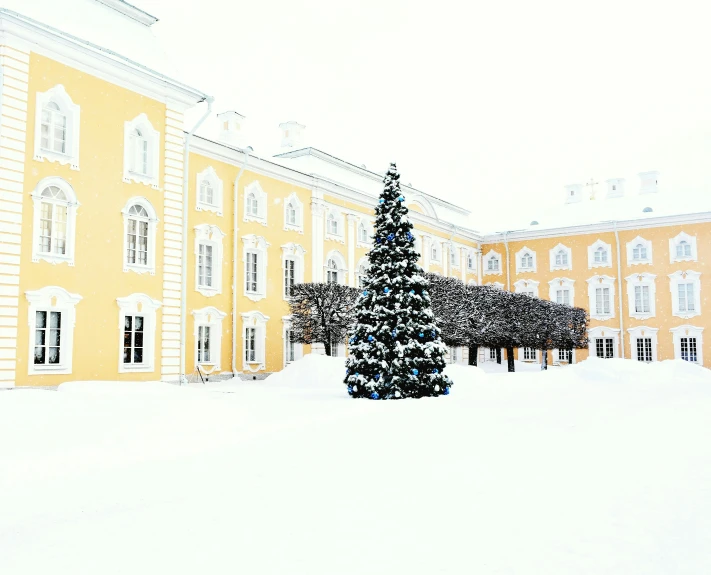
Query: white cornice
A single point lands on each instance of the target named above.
(131, 11)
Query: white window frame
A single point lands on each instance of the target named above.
(687, 330)
(602, 332)
(454, 261)
(471, 260)
(258, 321)
(152, 136)
(522, 355)
(642, 332)
(555, 357)
(641, 280)
(638, 243)
(361, 271)
(255, 244)
(676, 241)
(71, 204)
(361, 242)
(144, 305)
(519, 261)
(261, 196)
(554, 253)
(591, 255)
(335, 216)
(294, 252)
(562, 283)
(435, 251)
(341, 266)
(52, 298)
(683, 277)
(209, 175)
(491, 254)
(71, 111)
(599, 281)
(150, 266)
(526, 286)
(297, 204)
(298, 348)
(209, 235)
(209, 317)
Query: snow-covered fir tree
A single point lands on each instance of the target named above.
(395, 348)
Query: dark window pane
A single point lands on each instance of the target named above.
(55, 319)
(127, 355)
(138, 355)
(127, 322)
(54, 337)
(53, 355)
(39, 336)
(139, 323)
(138, 339)
(41, 318)
(39, 355)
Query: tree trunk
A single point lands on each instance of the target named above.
(498, 355)
(327, 346)
(473, 353)
(544, 363)
(510, 359)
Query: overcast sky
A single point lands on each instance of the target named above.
(493, 105)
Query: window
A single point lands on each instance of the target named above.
(331, 272)
(686, 297)
(562, 290)
(641, 292)
(255, 204)
(254, 340)
(54, 221)
(208, 338)
(209, 192)
(453, 257)
(562, 296)
(133, 340)
(600, 256)
(605, 347)
(601, 292)
(205, 265)
(48, 335)
(682, 248)
(493, 264)
(362, 234)
(641, 299)
(57, 128)
(688, 343)
(688, 349)
(250, 348)
(362, 274)
(293, 210)
(529, 354)
(289, 275)
(602, 301)
(139, 236)
(203, 344)
(254, 257)
(565, 356)
(252, 205)
(470, 261)
(141, 152)
(492, 354)
(208, 259)
(251, 272)
(644, 349)
(332, 227)
(528, 287)
(290, 214)
(561, 258)
(289, 347)
(639, 251)
(525, 260)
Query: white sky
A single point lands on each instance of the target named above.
(492, 105)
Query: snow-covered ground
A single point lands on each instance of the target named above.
(599, 468)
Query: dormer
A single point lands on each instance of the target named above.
(648, 182)
(232, 128)
(615, 188)
(292, 134)
(573, 193)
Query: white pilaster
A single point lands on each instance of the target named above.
(463, 263)
(14, 70)
(427, 256)
(172, 243)
(318, 209)
(352, 219)
(445, 258)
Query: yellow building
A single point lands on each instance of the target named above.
(131, 249)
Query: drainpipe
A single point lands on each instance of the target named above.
(619, 290)
(184, 264)
(508, 265)
(248, 150)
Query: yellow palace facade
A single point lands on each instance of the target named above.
(131, 249)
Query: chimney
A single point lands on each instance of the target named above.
(573, 193)
(232, 128)
(615, 188)
(292, 135)
(648, 182)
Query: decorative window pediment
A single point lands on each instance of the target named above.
(294, 214)
(208, 259)
(528, 287)
(639, 251)
(562, 290)
(335, 268)
(641, 295)
(600, 255)
(254, 258)
(137, 333)
(254, 338)
(601, 293)
(686, 293)
(255, 204)
(141, 152)
(208, 192)
(561, 258)
(491, 263)
(207, 332)
(57, 128)
(139, 236)
(292, 261)
(525, 260)
(682, 248)
(54, 221)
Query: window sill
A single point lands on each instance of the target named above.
(208, 291)
(201, 207)
(293, 228)
(686, 314)
(53, 259)
(257, 219)
(49, 370)
(254, 296)
(133, 368)
(144, 179)
(335, 238)
(600, 265)
(139, 269)
(41, 155)
(640, 262)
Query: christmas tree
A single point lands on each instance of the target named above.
(395, 348)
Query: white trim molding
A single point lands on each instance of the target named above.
(605, 252)
(641, 302)
(257, 321)
(639, 251)
(69, 112)
(207, 235)
(148, 217)
(529, 287)
(687, 331)
(607, 299)
(53, 186)
(643, 332)
(525, 260)
(602, 332)
(140, 133)
(255, 212)
(363, 235)
(297, 205)
(209, 317)
(341, 266)
(689, 305)
(146, 307)
(566, 257)
(255, 283)
(492, 264)
(562, 285)
(212, 183)
(682, 248)
(52, 299)
(292, 252)
(335, 226)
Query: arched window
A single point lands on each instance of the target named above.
(291, 214)
(600, 255)
(139, 153)
(561, 258)
(362, 233)
(332, 225)
(493, 264)
(139, 236)
(252, 205)
(526, 261)
(683, 249)
(54, 221)
(639, 252)
(331, 272)
(54, 128)
(207, 193)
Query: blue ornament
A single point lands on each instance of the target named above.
(409, 236)
(382, 201)
(415, 372)
(422, 335)
(352, 340)
(374, 395)
(435, 370)
(350, 390)
(348, 371)
(394, 332)
(356, 374)
(412, 292)
(377, 240)
(391, 237)
(401, 199)
(387, 290)
(377, 376)
(434, 333)
(365, 293)
(370, 338)
(446, 390)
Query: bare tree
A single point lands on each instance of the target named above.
(321, 313)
